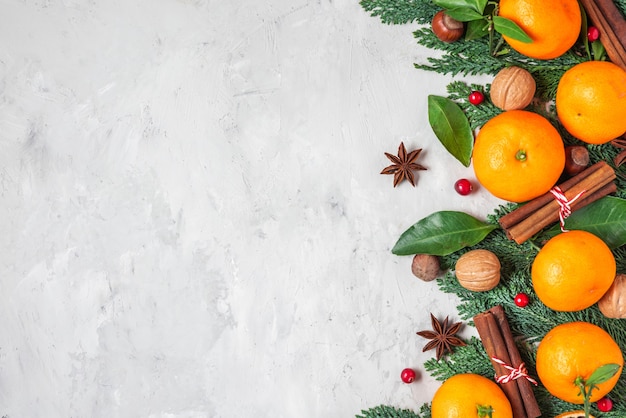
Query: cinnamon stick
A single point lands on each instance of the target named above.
(592, 197)
(494, 344)
(605, 15)
(525, 387)
(522, 212)
(592, 186)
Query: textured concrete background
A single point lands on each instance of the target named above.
(193, 219)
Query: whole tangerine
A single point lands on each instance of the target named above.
(591, 101)
(572, 271)
(575, 350)
(518, 155)
(463, 394)
(553, 26)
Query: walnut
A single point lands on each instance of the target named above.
(426, 267)
(613, 303)
(512, 88)
(478, 270)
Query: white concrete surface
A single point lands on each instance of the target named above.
(193, 219)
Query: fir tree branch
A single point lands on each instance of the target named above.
(384, 411)
(400, 11)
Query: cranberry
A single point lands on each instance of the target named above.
(408, 375)
(476, 97)
(605, 404)
(522, 300)
(593, 34)
(463, 187)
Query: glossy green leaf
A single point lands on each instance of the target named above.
(479, 5)
(509, 28)
(602, 374)
(476, 29)
(451, 127)
(442, 233)
(453, 4)
(598, 50)
(464, 14)
(605, 218)
(476, 5)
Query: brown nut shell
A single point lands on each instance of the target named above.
(426, 267)
(613, 303)
(512, 88)
(478, 270)
(446, 28)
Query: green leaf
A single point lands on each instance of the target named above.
(605, 218)
(453, 4)
(509, 28)
(442, 233)
(602, 374)
(451, 127)
(598, 50)
(476, 29)
(477, 5)
(464, 14)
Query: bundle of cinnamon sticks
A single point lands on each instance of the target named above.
(589, 185)
(497, 338)
(605, 15)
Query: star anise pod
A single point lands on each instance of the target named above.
(442, 336)
(403, 165)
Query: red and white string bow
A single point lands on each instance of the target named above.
(565, 205)
(514, 372)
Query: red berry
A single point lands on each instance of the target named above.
(593, 34)
(605, 404)
(476, 97)
(522, 300)
(408, 375)
(463, 187)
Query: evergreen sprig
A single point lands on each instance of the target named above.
(470, 358)
(385, 411)
(399, 12)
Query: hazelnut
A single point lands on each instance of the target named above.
(613, 303)
(576, 159)
(446, 28)
(426, 267)
(512, 88)
(478, 270)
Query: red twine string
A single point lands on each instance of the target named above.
(514, 372)
(565, 205)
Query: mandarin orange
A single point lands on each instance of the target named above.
(518, 155)
(462, 395)
(572, 271)
(553, 25)
(573, 350)
(591, 101)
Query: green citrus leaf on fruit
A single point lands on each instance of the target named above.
(464, 14)
(602, 374)
(605, 218)
(442, 233)
(509, 28)
(451, 127)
